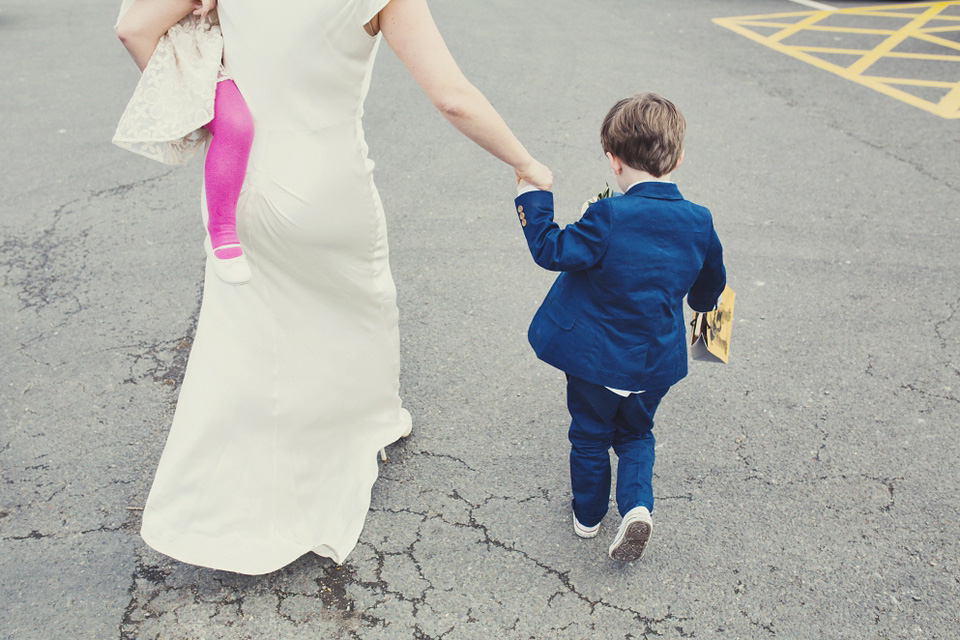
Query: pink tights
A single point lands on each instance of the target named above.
(226, 166)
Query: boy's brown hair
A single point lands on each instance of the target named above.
(645, 131)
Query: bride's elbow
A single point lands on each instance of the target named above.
(132, 31)
(128, 34)
(453, 103)
(451, 109)
(123, 33)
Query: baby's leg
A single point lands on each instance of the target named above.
(226, 166)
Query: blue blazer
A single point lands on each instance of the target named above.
(614, 317)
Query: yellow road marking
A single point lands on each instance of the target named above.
(866, 11)
(952, 99)
(938, 84)
(943, 42)
(920, 25)
(813, 27)
(794, 28)
(893, 41)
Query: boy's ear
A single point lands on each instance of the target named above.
(615, 164)
(679, 162)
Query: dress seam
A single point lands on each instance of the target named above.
(379, 226)
(275, 374)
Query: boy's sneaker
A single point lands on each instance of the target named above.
(632, 536)
(582, 531)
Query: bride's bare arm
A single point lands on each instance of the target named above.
(146, 21)
(410, 31)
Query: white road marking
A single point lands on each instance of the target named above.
(814, 5)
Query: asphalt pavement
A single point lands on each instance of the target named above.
(807, 489)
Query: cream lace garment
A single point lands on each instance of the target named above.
(174, 98)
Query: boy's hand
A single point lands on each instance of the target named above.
(203, 7)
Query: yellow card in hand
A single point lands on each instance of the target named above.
(711, 331)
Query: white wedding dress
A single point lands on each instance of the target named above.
(293, 380)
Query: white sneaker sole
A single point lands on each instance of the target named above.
(631, 540)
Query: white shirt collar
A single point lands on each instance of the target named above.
(648, 180)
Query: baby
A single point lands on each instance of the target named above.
(183, 99)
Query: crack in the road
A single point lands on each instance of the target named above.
(882, 148)
(766, 626)
(33, 535)
(164, 362)
(444, 456)
(923, 393)
(123, 189)
(334, 584)
(942, 334)
(687, 497)
(45, 269)
(823, 438)
(890, 485)
(562, 576)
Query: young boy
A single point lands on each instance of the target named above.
(613, 320)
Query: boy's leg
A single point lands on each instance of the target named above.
(592, 409)
(226, 167)
(634, 445)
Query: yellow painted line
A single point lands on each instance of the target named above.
(918, 25)
(814, 27)
(883, 14)
(893, 41)
(791, 51)
(941, 57)
(762, 16)
(794, 28)
(909, 98)
(951, 102)
(897, 7)
(940, 29)
(889, 14)
(872, 32)
(912, 82)
(943, 42)
(762, 23)
(851, 52)
(905, 55)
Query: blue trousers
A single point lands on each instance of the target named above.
(602, 419)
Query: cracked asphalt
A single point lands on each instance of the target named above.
(806, 490)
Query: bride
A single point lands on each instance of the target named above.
(293, 380)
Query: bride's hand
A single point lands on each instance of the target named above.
(203, 7)
(536, 174)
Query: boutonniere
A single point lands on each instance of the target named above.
(607, 192)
